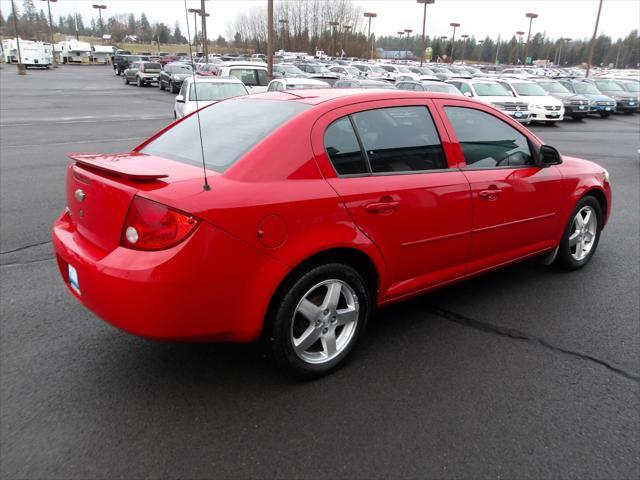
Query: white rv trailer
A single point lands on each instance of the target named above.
(101, 54)
(33, 54)
(74, 51)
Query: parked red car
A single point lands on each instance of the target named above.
(322, 206)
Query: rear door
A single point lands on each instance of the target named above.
(388, 163)
(515, 202)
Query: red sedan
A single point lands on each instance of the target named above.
(317, 207)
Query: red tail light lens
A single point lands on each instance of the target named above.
(153, 226)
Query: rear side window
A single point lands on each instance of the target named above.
(486, 141)
(343, 149)
(229, 130)
(400, 139)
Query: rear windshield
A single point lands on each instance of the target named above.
(229, 130)
(152, 66)
(210, 91)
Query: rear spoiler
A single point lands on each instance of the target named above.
(132, 165)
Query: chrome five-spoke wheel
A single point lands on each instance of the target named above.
(583, 232)
(324, 321)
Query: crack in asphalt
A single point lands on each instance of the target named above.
(26, 262)
(25, 247)
(519, 335)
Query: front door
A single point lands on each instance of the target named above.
(515, 202)
(390, 168)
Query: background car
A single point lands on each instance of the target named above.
(363, 83)
(289, 83)
(599, 103)
(631, 86)
(542, 106)
(575, 105)
(625, 101)
(142, 73)
(207, 69)
(287, 70)
(199, 93)
(347, 71)
(428, 86)
(370, 70)
(495, 94)
(321, 72)
(172, 76)
(252, 74)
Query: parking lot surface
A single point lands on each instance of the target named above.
(523, 373)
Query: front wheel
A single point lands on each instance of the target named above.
(139, 82)
(581, 235)
(319, 318)
(126, 80)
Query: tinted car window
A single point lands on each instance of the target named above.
(486, 141)
(229, 130)
(400, 139)
(343, 149)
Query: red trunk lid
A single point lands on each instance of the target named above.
(100, 189)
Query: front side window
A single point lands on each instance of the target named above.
(464, 88)
(486, 141)
(587, 89)
(250, 77)
(343, 149)
(400, 139)
(229, 130)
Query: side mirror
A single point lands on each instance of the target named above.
(467, 94)
(180, 99)
(549, 156)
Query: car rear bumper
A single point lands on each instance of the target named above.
(201, 289)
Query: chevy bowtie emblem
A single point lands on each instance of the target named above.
(79, 194)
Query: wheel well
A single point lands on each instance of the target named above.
(602, 200)
(349, 256)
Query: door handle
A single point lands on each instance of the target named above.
(489, 194)
(381, 207)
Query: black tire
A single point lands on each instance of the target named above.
(565, 259)
(173, 88)
(139, 82)
(604, 114)
(628, 112)
(279, 322)
(126, 80)
(577, 118)
(160, 85)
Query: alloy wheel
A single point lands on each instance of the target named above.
(324, 322)
(583, 232)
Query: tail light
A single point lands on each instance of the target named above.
(153, 226)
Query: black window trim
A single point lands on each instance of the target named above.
(370, 172)
(534, 151)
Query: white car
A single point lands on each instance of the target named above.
(201, 92)
(543, 107)
(252, 74)
(347, 71)
(495, 94)
(395, 71)
(293, 83)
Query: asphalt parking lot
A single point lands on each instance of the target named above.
(523, 373)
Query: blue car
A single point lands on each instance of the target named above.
(598, 103)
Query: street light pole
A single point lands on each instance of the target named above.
(519, 34)
(283, 22)
(270, 39)
(345, 37)
(453, 38)
(424, 22)
(100, 8)
(370, 15)
(464, 45)
(400, 34)
(333, 26)
(406, 49)
(205, 42)
(530, 16)
(593, 40)
(195, 11)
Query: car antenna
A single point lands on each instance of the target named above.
(206, 185)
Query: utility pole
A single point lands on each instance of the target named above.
(618, 54)
(370, 15)
(345, 37)
(464, 45)
(333, 37)
(75, 17)
(22, 68)
(519, 34)
(530, 16)
(593, 40)
(53, 50)
(424, 22)
(205, 46)
(100, 8)
(270, 39)
(406, 47)
(283, 22)
(401, 43)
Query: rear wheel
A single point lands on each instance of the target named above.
(581, 235)
(319, 318)
(126, 80)
(160, 84)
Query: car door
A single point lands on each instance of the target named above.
(387, 160)
(515, 202)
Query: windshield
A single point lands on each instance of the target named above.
(528, 89)
(179, 68)
(352, 70)
(608, 85)
(229, 130)
(426, 71)
(632, 86)
(553, 87)
(319, 69)
(377, 69)
(587, 88)
(444, 88)
(404, 70)
(491, 90)
(210, 92)
(290, 69)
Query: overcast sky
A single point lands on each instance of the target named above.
(568, 18)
